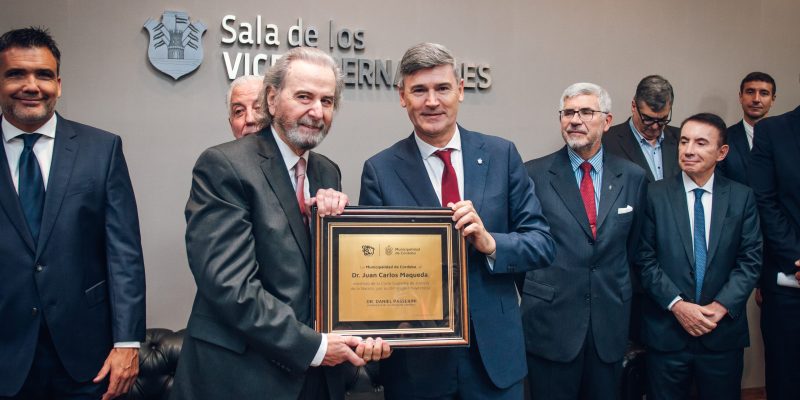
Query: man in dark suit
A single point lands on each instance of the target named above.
(775, 179)
(699, 261)
(250, 334)
(645, 138)
(756, 94)
(440, 164)
(72, 287)
(575, 312)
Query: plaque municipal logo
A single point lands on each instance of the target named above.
(175, 46)
(367, 250)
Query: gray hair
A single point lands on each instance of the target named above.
(424, 56)
(655, 91)
(586, 88)
(242, 80)
(276, 75)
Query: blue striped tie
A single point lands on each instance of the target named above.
(700, 251)
(31, 185)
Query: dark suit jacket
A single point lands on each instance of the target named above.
(85, 276)
(734, 166)
(620, 141)
(666, 262)
(775, 179)
(589, 279)
(250, 332)
(504, 198)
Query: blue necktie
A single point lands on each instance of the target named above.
(31, 185)
(700, 251)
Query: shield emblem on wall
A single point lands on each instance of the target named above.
(175, 46)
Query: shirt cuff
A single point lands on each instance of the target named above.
(672, 303)
(127, 345)
(323, 348)
(490, 258)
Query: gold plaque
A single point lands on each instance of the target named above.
(390, 273)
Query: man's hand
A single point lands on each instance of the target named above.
(719, 311)
(328, 201)
(797, 274)
(340, 350)
(694, 318)
(470, 222)
(123, 366)
(759, 298)
(373, 349)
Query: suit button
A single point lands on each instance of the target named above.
(39, 268)
(587, 297)
(34, 311)
(591, 242)
(594, 267)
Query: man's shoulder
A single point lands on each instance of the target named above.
(487, 139)
(632, 170)
(85, 131)
(542, 163)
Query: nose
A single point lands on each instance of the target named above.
(250, 116)
(431, 100)
(315, 110)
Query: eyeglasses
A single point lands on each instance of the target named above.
(648, 120)
(585, 114)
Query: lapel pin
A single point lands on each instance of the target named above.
(610, 187)
(480, 161)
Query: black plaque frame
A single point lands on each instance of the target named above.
(451, 330)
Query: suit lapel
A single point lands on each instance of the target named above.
(612, 187)
(474, 171)
(719, 209)
(738, 144)
(669, 148)
(633, 150)
(9, 200)
(680, 211)
(274, 170)
(65, 151)
(564, 184)
(411, 171)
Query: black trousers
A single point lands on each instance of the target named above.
(716, 374)
(780, 327)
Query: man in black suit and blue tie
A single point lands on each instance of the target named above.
(72, 300)
(576, 312)
(699, 261)
(482, 179)
(756, 95)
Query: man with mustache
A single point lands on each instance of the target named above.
(575, 313)
(482, 179)
(244, 105)
(699, 259)
(72, 286)
(250, 334)
(756, 95)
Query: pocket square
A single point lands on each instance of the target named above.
(624, 210)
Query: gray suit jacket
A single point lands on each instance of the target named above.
(589, 279)
(666, 262)
(250, 332)
(620, 141)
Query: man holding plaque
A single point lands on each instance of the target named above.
(576, 312)
(250, 334)
(482, 179)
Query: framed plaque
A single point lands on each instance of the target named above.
(398, 274)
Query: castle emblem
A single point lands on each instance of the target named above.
(175, 46)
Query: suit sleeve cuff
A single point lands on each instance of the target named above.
(127, 345)
(672, 303)
(323, 348)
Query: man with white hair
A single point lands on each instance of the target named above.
(575, 313)
(244, 105)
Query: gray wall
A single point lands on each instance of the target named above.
(535, 49)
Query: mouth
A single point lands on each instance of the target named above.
(29, 102)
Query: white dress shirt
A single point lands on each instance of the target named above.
(290, 160)
(748, 132)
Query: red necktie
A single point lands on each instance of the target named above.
(449, 179)
(300, 179)
(587, 194)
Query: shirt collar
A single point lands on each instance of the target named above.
(426, 150)
(689, 184)
(289, 158)
(748, 129)
(575, 160)
(640, 138)
(11, 131)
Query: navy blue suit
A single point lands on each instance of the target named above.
(775, 178)
(504, 197)
(734, 166)
(84, 279)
